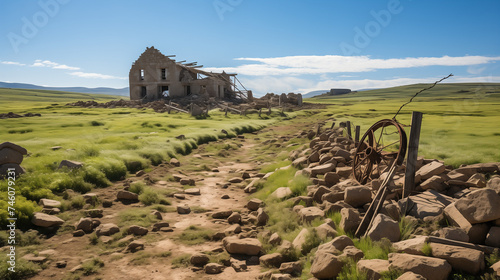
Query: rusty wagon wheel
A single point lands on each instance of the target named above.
(382, 146)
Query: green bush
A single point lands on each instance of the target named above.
(96, 177)
(134, 164)
(156, 157)
(24, 210)
(312, 241)
(350, 272)
(137, 187)
(113, 169)
(24, 269)
(427, 249)
(77, 202)
(149, 197)
(35, 186)
(92, 266)
(73, 182)
(96, 123)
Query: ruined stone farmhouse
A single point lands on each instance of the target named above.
(155, 76)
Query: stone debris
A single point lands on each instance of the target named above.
(45, 220)
(430, 268)
(11, 157)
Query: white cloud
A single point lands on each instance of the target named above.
(96, 76)
(369, 83)
(313, 64)
(12, 63)
(53, 65)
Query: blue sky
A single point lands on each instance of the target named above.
(274, 46)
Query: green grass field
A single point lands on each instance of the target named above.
(460, 123)
(460, 126)
(110, 142)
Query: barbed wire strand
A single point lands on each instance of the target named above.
(422, 90)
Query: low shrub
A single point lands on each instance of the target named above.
(194, 235)
(73, 182)
(92, 175)
(92, 266)
(137, 187)
(113, 169)
(149, 197)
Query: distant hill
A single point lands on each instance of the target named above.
(99, 90)
(314, 93)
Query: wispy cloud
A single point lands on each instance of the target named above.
(96, 76)
(313, 64)
(12, 63)
(54, 65)
(370, 83)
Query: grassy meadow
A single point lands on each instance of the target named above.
(460, 123)
(110, 142)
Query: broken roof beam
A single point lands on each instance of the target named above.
(172, 55)
(182, 61)
(197, 66)
(190, 64)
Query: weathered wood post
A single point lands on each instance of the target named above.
(349, 132)
(356, 135)
(333, 124)
(411, 159)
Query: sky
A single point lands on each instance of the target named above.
(273, 45)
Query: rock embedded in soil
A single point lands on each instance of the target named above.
(137, 230)
(308, 214)
(183, 209)
(222, 214)
(175, 162)
(468, 260)
(107, 229)
(326, 265)
(271, 260)
(293, 268)
(126, 195)
(45, 220)
(282, 192)
(49, 203)
(373, 268)
(199, 259)
(135, 246)
(84, 224)
(384, 227)
(254, 204)
(192, 191)
(430, 268)
(411, 276)
(245, 246)
(350, 219)
(234, 218)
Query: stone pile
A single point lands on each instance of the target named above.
(11, 156)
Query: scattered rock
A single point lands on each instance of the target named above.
(179, 196)
(234, 218)
(175, 162)
(135, 246)
(222, 214)
(254, 204)
(199, 259)
(293, 268)
(465, 259)
(126, 195)
(480, 206)
(429, 170)
(271, 260)
(308, 214)
(49, 203)
(262, 217)
(137, 230)
(107, 229)
(245, 246)
(477, 180)
(282, 192)
(78, 233)
(430, 268)
(183, 209)
(225, 196)
(235, 180)
(157, 214)
(353, 253)
(278, 276)
(140, 173)
(411, 276)
(384, 227)
(192, 191)
(325, 231)
(300, 239)
(338, 244)
(493, 237)
(61, 264)
(373, 268)
(275, 239)
(45, 220)
(326, 265)
(350, 219)
(93, 213)
(70, 164)
(357, 196)
(84, 224)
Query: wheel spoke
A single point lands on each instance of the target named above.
(387, 146)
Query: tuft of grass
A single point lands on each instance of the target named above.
(183, 260)
(95, 177)
(194, 235)
(391, 274)
(273, 166)
(92, 266)
(141, 217)
(299, 184)
(350, 272)
(374, 249)
(72, 182)
(137, 187)
(96, 123)
(427, 249)
(406, 227)
(149, 197)
(24, 269)
(493, 258)
(312, 241)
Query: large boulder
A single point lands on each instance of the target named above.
(494, 184)
(427, 204)
(293, 268)
(477, 232)
(282, 192)
(480, 206)
(430, 268)
(308, 214)
(84, 224)
(271, 260)
(465, 259)
(493, 237)
(357, 196)
(325, 231)
(224, 214)
(453, 233)
(412, 246)
(45, 220)
(245, 246)
(326, 265)
(373, 268)
(350, 219)
(300, 239)
(383, 226)
(199, 259)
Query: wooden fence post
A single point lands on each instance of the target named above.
(356, 137)
(411, 160)
(333, 124)
(349, 132)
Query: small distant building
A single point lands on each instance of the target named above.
(339, 91)
(154, 76)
